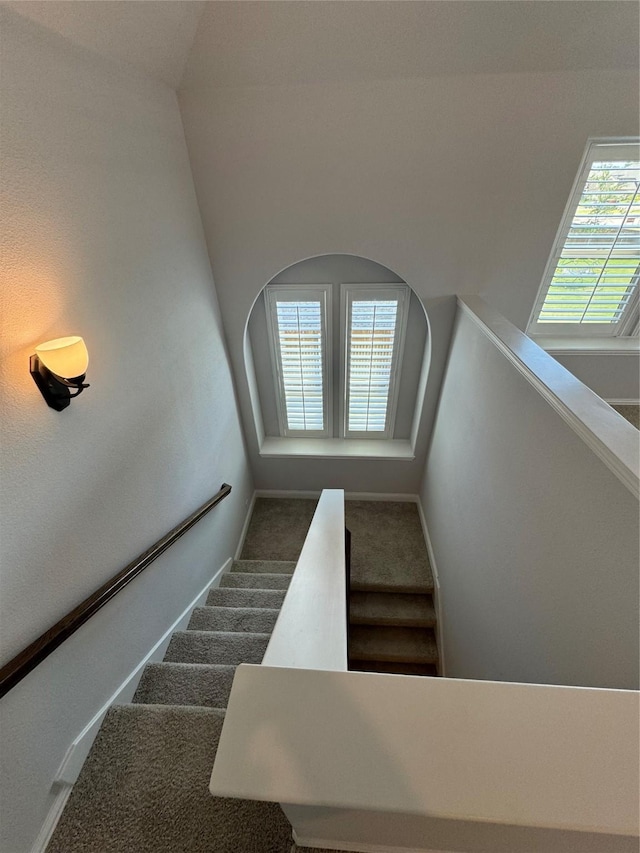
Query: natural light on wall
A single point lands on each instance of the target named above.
(591, 281)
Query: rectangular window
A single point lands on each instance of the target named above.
(298, 335)
(375, 327)
(590, 285)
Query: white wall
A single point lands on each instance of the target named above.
(615, 376)
(327, 128)
(102, 238)
(535, 539)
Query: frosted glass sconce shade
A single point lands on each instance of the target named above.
(58, 367)
(66, 357)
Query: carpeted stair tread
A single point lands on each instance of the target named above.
(259, 620)
(388, 551)
(406, 645)
(283, 567)
(383, 608)
(253, 580)
(269, 598)
(389, 667)
(144, 789)
(207, 685)
(398, 585)
(631, 413)
(216, 647)
(278, 528)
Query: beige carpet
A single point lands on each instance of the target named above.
(631, 413)
(278, 528)
(144, 786)
(144, 789)
(388, 552)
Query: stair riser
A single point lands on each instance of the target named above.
(392, 623)
(420, 669)
(390, 657)
(396, 645)
(413, 589)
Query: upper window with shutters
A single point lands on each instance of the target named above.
(590, 285)
(370, 341)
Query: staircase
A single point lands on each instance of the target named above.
(392, 615)
(144, 786)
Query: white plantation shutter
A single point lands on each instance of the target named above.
(298, 323)
(591, 282)
(375, 328)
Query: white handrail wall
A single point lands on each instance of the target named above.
(369, 759)
(611, 437)
(311, 631)
(529, 496)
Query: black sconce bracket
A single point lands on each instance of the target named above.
(55, 390)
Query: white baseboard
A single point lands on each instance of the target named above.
(245, 526)
(390, 497)
(81, 746)
(350, 496)
(51, 821)
(437, 597)
(285, 493)
(79, 749)
(324, 844)
(623, 402)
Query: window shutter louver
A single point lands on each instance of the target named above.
(375, 318)
(300, 338)
(371, 349)
(298, 331)
(594, 270)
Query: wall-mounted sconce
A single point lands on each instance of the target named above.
(58, 367)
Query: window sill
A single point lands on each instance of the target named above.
(588, 346)
(337, 448)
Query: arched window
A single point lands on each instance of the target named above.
(338, 348)
(368, 345)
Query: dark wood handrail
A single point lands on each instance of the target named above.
(22, 664)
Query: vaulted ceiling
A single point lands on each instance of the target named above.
(154, 36)
(287, 42)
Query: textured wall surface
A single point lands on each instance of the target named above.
(535, 539)
(103, 239)
(451, 166)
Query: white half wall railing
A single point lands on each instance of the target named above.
(367, 761)
(311, 630)
(606, 432)
(376, 762)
